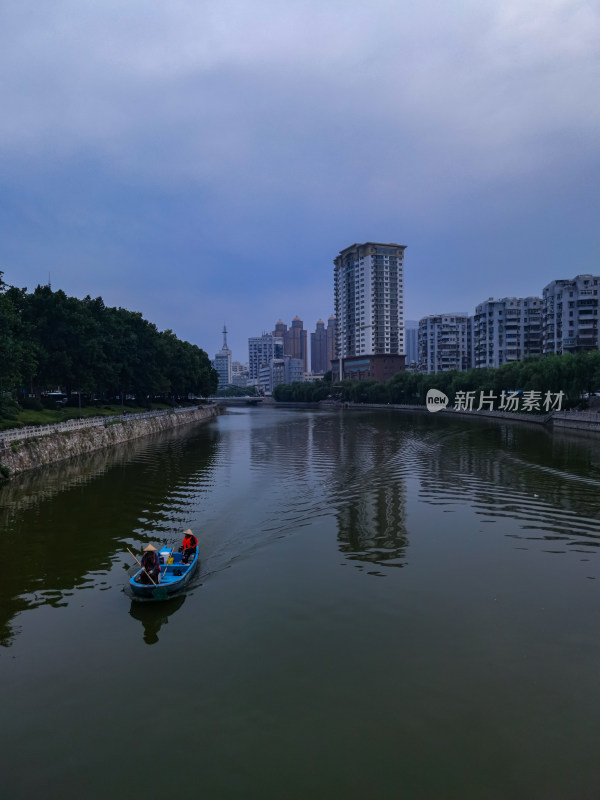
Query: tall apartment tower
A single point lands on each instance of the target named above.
(411, 341)
(318, 349)
(570, 315)
(369, 310)
(330, 342)
(295, 341)
(222, 362)
(444, 342)
(280, 329)
(506, 330)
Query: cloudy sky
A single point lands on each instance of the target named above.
(203, 161)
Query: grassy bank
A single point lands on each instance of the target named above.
(50, 416)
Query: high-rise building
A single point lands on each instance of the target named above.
(295, 341)
(369, 310)
(444, 342)
(506, 330)
(411, 341)
(570, 315)
(318, 349)
(222, 362)
(280, 329)
(261, 349)
(330, 342)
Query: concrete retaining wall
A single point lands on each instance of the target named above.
(21, 455)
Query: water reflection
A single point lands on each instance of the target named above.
(258, 475)
(547, 482)
(67, 527)
(370, 491)
(353, 464)
(153, 615)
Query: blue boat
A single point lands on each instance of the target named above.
(173, 576)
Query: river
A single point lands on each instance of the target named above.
(389, 605)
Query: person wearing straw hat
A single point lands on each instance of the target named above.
(150, 565)
(190, 543)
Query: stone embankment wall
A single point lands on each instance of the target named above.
(21, 455)
(582, 421)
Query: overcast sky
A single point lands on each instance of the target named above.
(204, 161)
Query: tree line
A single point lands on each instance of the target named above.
(49, 340)
(574, 374)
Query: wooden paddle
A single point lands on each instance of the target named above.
(144, 568)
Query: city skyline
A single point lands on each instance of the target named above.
(220, 162)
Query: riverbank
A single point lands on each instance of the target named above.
(20, 455)
(574, 421)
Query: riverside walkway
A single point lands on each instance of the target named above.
(34, 431)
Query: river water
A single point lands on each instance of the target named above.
(388, 605)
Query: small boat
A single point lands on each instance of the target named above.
(174, 575)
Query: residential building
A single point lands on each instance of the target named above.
(239, 374)
(570, 315)
(280, 329)
(369, 309)
(411, 341)
(261, 349)
(330, 342)
(318, 349)
(443, 341)
(280, 370)
(506, 330)
(295, 341)
(222, 362)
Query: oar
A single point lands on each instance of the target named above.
(144, 568)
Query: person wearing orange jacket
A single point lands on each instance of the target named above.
(190, 543)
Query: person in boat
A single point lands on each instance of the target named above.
(150, 565)
(190, 543)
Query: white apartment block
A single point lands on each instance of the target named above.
(444, 342)
(506, 330)
(570, 320)
(369, 300)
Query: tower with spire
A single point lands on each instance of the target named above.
(222, 362)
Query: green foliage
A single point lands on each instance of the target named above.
(237, 391)
(50, 340)
(573, 374)
(9, 407)
(31, 404)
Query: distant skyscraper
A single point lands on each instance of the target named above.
(222, 362)
(318, 349)
(295, 341)
(411, 341)
(280, 329)
(369, 309)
